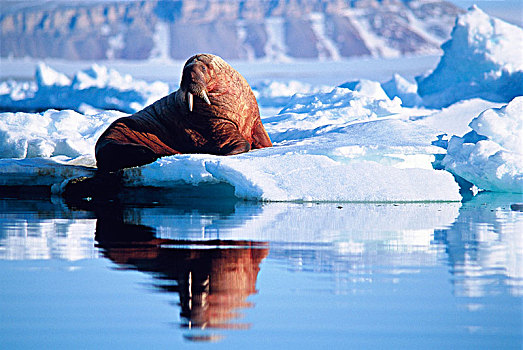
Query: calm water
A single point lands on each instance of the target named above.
(227, 274)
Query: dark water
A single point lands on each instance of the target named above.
(227, 274)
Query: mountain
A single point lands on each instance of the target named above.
(241, 29)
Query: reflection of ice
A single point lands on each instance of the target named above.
(350, 241)
(402, 225)
(42, 230)
(481, 240)
(48, 239)
(485, 246)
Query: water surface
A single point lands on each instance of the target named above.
(209, 273)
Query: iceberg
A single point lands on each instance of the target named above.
(97, 86)
(491, 155)
(483, 58)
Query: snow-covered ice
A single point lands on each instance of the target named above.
(491, 155)
(483, 58)
(51, 133)
(313, 114)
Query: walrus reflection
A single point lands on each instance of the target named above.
(213, 278)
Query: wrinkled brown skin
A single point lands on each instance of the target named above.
(230, 125)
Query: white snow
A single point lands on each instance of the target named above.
(483, 58)
(96, 86)
(366, 87)
(313, 114)
(400, 87)
(491, 156)
(51, 133)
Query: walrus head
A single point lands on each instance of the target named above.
(197, 76)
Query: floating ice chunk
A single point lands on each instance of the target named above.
(42, 171)
(299, 177)
(97, 86)
(367, 88)
(400, 87)
(482, 59)
(502, 125)
(12, 91)
(101, 77)
(491, 155)
(46, 76)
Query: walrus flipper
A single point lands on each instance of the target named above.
(129, 142)
(113, 156)
(242, 147)
(227, 140)
(260, 138)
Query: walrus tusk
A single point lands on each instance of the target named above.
(189, 100)
(205, 97)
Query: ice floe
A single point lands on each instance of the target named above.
(483, 58)
(491, 155)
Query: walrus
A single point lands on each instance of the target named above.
(214, 111)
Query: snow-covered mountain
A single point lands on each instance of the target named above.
(241, 29)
